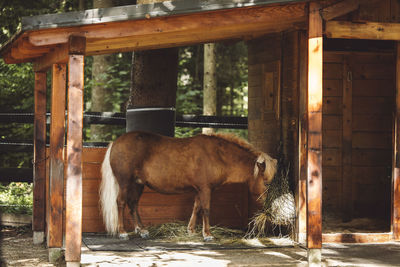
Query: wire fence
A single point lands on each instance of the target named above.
(25, 175)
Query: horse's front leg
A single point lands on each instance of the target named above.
(193, 219)
(205, 198)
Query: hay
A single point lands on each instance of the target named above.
(177, 232)
(278, 209)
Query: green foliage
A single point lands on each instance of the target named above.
(16, 198)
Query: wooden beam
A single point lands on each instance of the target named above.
(59, 55)
(314, 156)
(177, 30)
(347, 133)
(363, 30)
(75, 44)
(357, 238)
(302, 183)
(39, 155)
(57, 132)
(395, 222)
(73, 220)
(339, 9)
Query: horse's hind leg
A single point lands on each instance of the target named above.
(205, 197)
(121, 201)
(137, 190)
(193, 219)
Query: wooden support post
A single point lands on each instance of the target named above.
(314, 156)
(302, 183)
(396, 157)
(347, 177)
(73, 218)
(39, 158)
(56, 183)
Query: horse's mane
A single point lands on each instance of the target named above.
(271, 164)
(232, 138)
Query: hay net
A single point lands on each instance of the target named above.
(279, 206)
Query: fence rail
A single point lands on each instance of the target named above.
(105, 118)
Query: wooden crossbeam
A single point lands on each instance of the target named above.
(339, 9)
(181, 30)
(363, 30)
(59, 55)
(75, 45)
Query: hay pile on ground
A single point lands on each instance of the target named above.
(279, 207)
(177, 232)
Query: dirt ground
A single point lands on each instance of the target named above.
(17, 249)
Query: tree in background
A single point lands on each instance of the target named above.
(154, 76)
(209, 83)
(101, 100)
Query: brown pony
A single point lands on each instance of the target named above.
(176, 165)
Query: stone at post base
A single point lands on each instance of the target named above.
(314, 257)
(38, 238)
(55, 254)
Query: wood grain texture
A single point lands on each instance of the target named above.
(39, 154)
(57, 132)
(177, 30)
(301, 189)
(314, 158)
(73, 223)
(396, 164)
(347, 177)
(363, 30)
(357, 238)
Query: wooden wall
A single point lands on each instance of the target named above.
(229, 204)
(382, 11)
(358, 101)
(364, 189)
(273, 93)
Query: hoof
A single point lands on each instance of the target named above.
(124, 236)
(144, 234)
(191, 232)
(208, 238)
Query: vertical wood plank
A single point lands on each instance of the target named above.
(73, 224)
(302, 183)
(57, 133)
(314, 156)
(39, 154)
(396, 165)
(347, 122)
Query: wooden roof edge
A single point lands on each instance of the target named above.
(6, 47)
(136, 12)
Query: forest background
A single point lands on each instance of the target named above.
(17, 87)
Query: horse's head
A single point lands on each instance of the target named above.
(264, 172)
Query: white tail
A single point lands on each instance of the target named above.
(109, 190)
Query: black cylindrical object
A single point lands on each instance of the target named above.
(155, 120)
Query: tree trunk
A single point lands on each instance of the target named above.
(209, 83)
(81, 5)
(101, 100)
(154, 78)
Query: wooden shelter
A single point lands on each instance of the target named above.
(59, 43)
